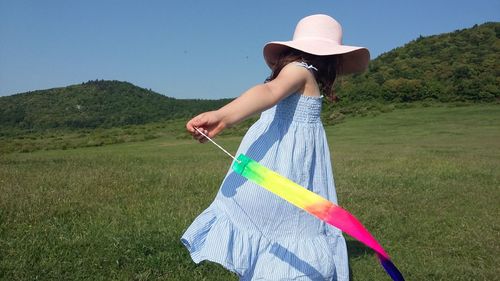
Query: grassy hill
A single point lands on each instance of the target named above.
(459, 66)
(95, 104)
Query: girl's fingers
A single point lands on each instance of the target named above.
(198, 123)
(204, 131)
(200, 137)
(195, 122)
(191, 129)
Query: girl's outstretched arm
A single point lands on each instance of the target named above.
(253, 101)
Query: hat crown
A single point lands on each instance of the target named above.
(320, 27)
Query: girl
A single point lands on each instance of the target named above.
(247, 229)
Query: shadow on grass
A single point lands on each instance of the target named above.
(356, 249)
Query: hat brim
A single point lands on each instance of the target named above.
(353, 59)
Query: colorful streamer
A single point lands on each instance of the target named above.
(315, 205)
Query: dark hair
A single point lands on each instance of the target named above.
(328, 69)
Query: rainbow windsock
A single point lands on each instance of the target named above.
(315, 205)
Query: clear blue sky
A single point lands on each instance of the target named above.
(195, 49)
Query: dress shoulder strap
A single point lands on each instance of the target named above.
(304, 64)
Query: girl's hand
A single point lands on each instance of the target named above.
(210, 123)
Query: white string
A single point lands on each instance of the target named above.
(217, 145)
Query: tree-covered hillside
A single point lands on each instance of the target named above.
(95, 104)
(459, 66)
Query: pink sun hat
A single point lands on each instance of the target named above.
(320, 35)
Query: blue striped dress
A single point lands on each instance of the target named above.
(258, 235)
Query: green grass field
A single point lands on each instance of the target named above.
(424, 181)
